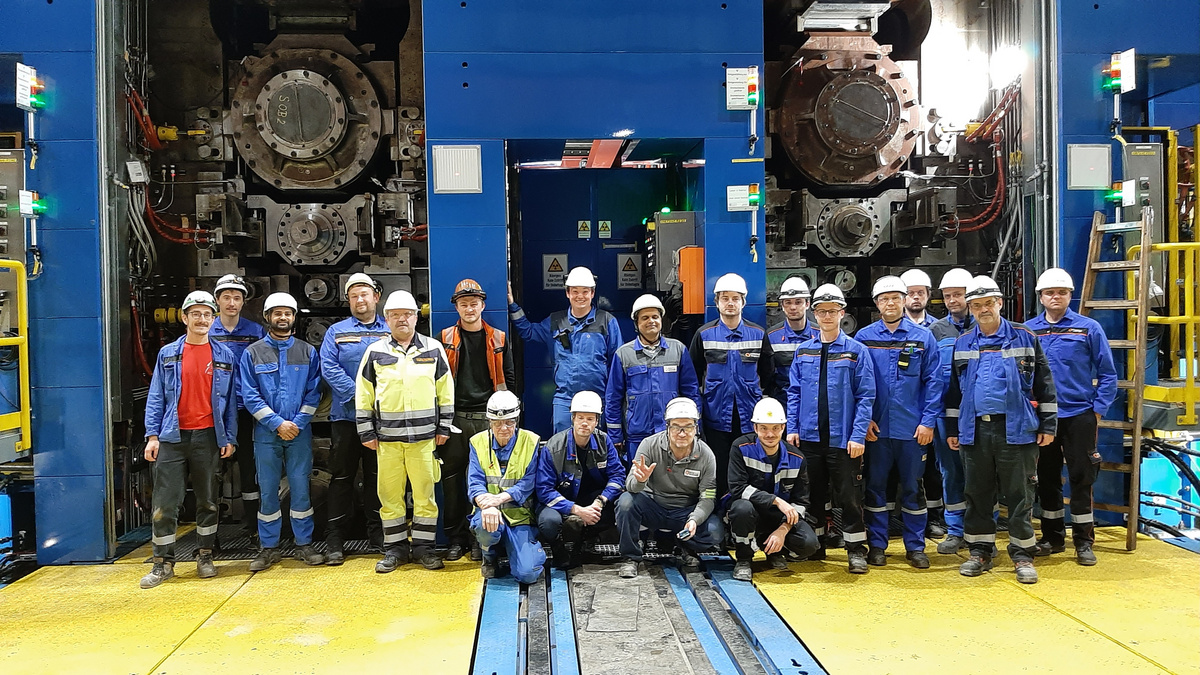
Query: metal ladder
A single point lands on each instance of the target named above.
(1140, 305)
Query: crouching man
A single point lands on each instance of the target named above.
(579, 476)
(679, 496)
(768, 480)
(500, 482)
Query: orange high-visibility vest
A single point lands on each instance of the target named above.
(452, 341)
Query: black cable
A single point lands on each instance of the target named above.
(1183, 467)
(1162, 526)
(1176, 509)
(1159, 443)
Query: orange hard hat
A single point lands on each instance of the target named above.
(467, 288)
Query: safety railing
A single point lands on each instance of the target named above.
(1185, 258)
(20, 419)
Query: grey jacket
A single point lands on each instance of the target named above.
(691, 481)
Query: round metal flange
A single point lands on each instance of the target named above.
(300, 114)
(311, 234)
(848, 228)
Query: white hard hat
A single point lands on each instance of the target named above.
(889, 284)
(359, 278)
(400, 300)
(983, 287)
(681, 408)
(279, 300)
(647, 301)
(916, 278)
(768, 411)
(1055, 277)
(828, 293)
(199, 298)
(231, 282)
(794, 287)
(955, 278)
(587, 402)
(731, 282)
(581, 276)
(503, 405)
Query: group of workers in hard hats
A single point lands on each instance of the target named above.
(758, 432)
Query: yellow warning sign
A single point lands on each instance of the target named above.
(585, 229)
(630, 266)
(554, 266)
(604, 229)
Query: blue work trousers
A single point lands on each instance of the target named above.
(953, 482)
(526, 557)
(636, 510)
(908, 458)
(272, 460)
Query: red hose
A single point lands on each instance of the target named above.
(139, 352)
(995, 206)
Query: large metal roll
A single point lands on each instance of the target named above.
(848, 116)
(305, 118)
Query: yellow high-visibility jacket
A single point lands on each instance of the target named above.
(404, 395)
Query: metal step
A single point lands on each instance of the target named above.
(1111, 304)
(1127, 226)
(1116, 265)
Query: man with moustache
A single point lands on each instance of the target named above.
(481, 364)
(191, 418)
(280, 385)
(341, 352)
(646, 374)
(1001, 406)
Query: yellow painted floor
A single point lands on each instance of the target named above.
(289, 619)
(1132, 613)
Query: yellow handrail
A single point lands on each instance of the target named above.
(1189, 253)
(21, 418)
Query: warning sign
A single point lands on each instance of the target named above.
(554, 270)
(629, 271)
(604, 229)
(585, 229)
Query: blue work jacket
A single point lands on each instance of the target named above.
(1031, 405)
(726, 364)
(582, 348)
(477, 480)
(245, 333)
(280, 383)
(780, 344)
(1079, 355)
(341, 353)
(850, 383)
(162, 401)
(559, 470)
(908, 378)
(640, 386)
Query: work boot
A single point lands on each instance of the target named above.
(1084, 555)
(265, 558)
(858, 562)
(918, 559)
(818, 554)
(431, 561)
(951, 544)
(833, 540)
(876, 557)
(487, 569)
(308, 555)
(1026, 573)
(628, 569)
(159, 573)
(455, 552)
(975, 566)
(205, 569)
(690, 561)
(742, 571)
(562, 558)
(335, 557)
(777, 561)
(935, 530)
(388, 563)
(1044, 548)
(476, 552)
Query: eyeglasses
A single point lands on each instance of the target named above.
(200, 316)
(826, 312)
(678, 430)
(505, 424)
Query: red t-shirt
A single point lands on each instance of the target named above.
(195, 393)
